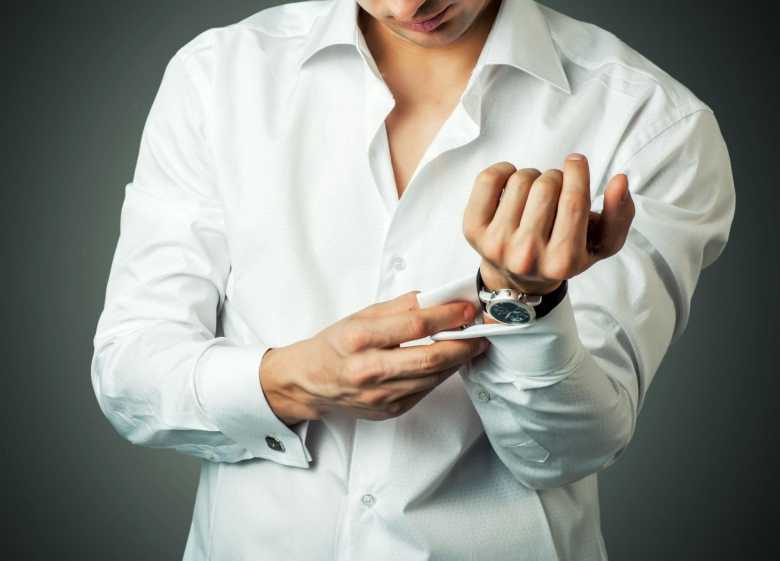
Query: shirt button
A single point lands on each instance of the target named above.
(274, 443)
(483, 395)
(398, 263)
(368, 499)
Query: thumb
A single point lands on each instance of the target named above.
(401, 303)
(616, 216)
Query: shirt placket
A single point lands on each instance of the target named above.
(371, 498)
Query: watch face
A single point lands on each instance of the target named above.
(510, 312)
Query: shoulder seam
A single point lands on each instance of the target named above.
(590, 65)
(664, 124)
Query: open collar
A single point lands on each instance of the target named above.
(520, 37)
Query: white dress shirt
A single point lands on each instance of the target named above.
(263, 208)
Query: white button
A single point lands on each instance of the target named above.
(398, 263)
(367, 499)
(483, 395)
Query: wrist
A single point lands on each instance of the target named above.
(280, 391)
(493, 279)
(517, 304)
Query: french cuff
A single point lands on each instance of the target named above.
(544, 353)
(227, 385)
(532, 355)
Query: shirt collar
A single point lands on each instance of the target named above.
(519, 38)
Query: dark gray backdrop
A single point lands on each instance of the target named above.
(77, 81)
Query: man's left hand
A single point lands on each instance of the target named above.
(534, 230)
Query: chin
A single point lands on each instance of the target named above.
(442, 38)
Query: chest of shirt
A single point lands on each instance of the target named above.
(315, 227)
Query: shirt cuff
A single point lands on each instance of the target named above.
(542, 354)
(531, 355)
(227, 383)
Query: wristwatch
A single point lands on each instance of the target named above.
(511, 307)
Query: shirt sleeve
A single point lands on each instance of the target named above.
(559, 400)
(160, 373)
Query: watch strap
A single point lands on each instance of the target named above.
(549, 301)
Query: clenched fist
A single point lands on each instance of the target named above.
(357, 364)
(534, 230)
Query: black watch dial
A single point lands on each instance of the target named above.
(510, 312)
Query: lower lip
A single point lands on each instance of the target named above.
(428, 25)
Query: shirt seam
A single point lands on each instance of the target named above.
(659, 127)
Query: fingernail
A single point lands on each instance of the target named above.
(485, 345)
(575, 156)
(468, 313)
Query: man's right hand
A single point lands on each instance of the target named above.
(356, 364)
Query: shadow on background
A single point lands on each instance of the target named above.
(78, 81)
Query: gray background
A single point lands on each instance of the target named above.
(78, 80)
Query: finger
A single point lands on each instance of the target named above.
(540, 208)
(403, 405)
(571, 217)
(396, 408)
(393, 329)
(484, 199)
(402, 303)
(400, 388)
(411, 400)
(592, 236)
(422, 360)
(513, 199)
(616, 216)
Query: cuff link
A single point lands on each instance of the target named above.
(274, 443)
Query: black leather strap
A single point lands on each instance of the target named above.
(549, 301)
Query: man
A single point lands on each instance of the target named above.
(295, 281)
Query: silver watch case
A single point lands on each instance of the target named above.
(510, 307)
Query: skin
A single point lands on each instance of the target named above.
(444, 57)
(533, 230)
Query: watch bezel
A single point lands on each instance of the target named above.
(542, 305)
(492, 298)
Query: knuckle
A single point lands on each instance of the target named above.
(363, 370)
(523, 260)
(417, 325)
(520, 178)
(471, 231)
(488, 177)
(353, 368)
(495, 173)
(571, 205)
(395, 408)
(527, 175)
(426, 362)
(376, 398)
(492, 248)
(432, 359)
(561, 267)
(355, 337)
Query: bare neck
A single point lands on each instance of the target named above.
(406, 65)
